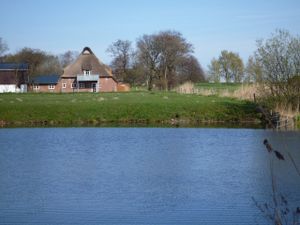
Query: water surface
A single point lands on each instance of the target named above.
(141, 175)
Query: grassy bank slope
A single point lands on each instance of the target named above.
(121, 108)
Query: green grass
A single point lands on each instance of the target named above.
(121, 108)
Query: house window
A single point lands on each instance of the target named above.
(51, 86)
(81, 85)
(88, 85)
(36, 87)
(64, 85)
(86, 72)
(73, 85)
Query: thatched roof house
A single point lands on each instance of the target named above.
(88, 74)
(87, 61)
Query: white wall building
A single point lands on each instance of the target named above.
(13, 77)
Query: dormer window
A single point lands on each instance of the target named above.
(86, 72)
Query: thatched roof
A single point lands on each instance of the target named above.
(87, 61)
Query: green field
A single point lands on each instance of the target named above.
(132, 108)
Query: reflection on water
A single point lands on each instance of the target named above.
(140, 176)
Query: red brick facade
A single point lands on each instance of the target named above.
(69, 85)
(108, 85)
(44, 88)
(86, 74)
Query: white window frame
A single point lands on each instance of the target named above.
(82, 85)
(51, 86)
(86, 72)
(36, 87)
(64, 85)
(73, 85)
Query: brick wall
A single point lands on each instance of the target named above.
(65, 86)
(45, 88)
(108, 85)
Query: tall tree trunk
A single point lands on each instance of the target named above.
(150, 80)
(166, 79)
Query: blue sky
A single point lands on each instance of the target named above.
(210, 25)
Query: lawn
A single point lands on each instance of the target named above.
(132, 108)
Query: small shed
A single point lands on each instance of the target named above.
(13, 77)
(122, 87)
(45, 83)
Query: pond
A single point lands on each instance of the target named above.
(142, 175)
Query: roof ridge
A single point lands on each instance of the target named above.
(87, 49)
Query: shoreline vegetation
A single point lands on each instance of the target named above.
(135, 108)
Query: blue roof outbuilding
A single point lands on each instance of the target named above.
(45, 79)
(14, 66)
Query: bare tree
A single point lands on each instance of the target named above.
(174, 49)
(279, 57)
(50, 65)
(67, 58)
(162, 56)
(148, 51)
(121, 51)
(190, 70)
(3, 47)
(39, 62)
(136, 75)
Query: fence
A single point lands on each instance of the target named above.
(282, 122)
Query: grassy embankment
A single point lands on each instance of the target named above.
(132, 108)
(245, 91)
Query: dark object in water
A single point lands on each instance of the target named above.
(270, 149)
(298, 210)
(268, 146)
(279, 155)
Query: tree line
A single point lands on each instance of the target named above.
(165, 59)
(40, 62)
(275, 65)
(160, 61)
